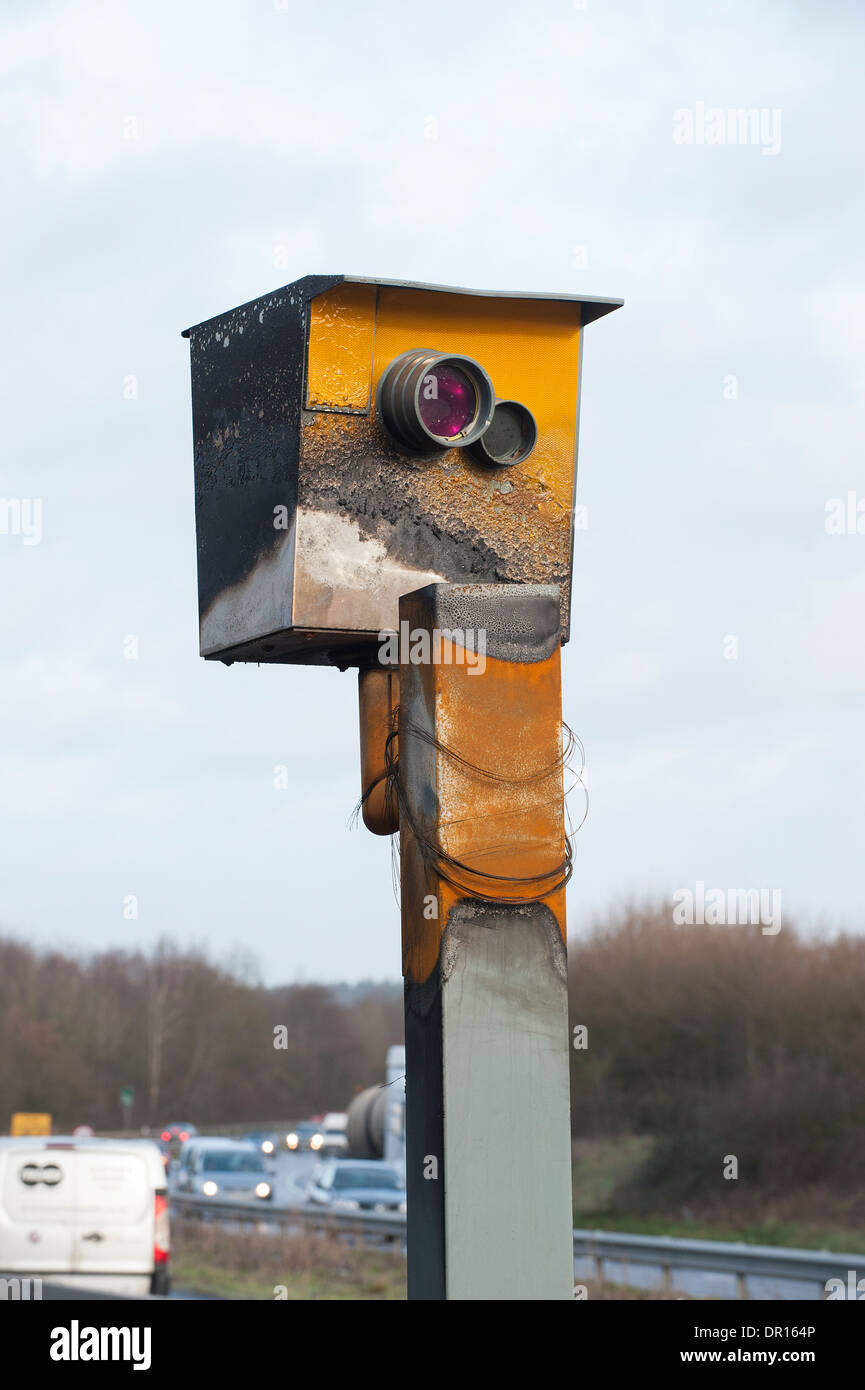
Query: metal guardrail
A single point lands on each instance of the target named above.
(667, 1253)
(385, 1225)
(714, 1257)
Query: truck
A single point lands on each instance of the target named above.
(375, 1126)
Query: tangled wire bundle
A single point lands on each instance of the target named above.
(468, 879)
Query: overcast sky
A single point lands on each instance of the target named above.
(164, 162)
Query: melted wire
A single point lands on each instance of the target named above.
(468, 879)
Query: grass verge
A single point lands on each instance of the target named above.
(808, 1219)
(252, 1265)
(305, 1267)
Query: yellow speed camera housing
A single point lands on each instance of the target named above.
(358, 439)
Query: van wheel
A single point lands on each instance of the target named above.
(160, 1283)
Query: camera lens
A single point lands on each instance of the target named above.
(448, 402)
(432, 401)
(510, 438)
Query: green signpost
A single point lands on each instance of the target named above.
(127, 1096)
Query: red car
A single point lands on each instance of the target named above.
(171, 1138)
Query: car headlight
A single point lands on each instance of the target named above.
(262, 1189)
(291, 1141)
(346, 1204)
(267, 1146)
(316, 1142)
(209, 1189)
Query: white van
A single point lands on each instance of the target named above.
(91, 1213)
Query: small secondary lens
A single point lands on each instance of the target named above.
(506, 436)
(510, 437)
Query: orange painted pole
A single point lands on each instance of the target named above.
(484, 861)
(378, 697)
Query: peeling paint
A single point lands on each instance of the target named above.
(344, 579)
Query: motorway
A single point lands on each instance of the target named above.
(289, 1175)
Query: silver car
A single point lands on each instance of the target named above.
(223, 1168)
(357, 1184)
